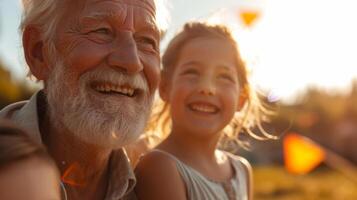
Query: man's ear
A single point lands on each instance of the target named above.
(164, 89)
(35, 53)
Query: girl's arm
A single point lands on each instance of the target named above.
(158, 178)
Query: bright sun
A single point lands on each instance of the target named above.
(296, 43)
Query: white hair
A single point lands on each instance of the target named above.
(162, 14)
(46, 13)
(42, 13)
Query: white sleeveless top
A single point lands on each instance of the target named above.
(199, 187)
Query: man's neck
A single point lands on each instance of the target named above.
(83, 166)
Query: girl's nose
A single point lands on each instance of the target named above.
(207, 87)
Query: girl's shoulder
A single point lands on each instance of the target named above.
(156, 158)
(235, 159)
(158, 178)
(156, 161)
(242, 166)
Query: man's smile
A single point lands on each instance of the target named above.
(111, 88)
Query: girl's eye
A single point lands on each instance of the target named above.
(227, 77)
(189, 72)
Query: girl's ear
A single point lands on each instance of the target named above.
(164, 89)
(34, 52)
(243, 97)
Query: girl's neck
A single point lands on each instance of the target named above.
(193, 146)
(200, 153)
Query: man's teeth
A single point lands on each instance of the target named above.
(115, 88)
(204, 108)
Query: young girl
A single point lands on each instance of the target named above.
(26, 170)
(204, 85)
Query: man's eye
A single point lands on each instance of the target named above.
(100, 35)
(148, 42)
(101, 31)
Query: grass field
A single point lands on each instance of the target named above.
(274, 183)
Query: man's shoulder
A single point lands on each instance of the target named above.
(24, 114)
(10, 110)
(21, 109)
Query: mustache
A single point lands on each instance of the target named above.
(108, 75)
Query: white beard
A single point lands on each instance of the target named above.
(99, 121)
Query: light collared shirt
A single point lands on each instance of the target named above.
(121, 176)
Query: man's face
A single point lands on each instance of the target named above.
(102, 85)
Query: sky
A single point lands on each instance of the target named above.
(293, 43)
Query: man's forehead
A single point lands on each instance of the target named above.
(101, 9)
(149, 5)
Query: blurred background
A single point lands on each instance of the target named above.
(300, 53)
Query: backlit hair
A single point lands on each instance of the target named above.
(43, 14)
(252, 113)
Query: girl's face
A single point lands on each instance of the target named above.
(31, 179)
(204, 90)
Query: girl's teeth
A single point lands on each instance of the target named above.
(204, 108)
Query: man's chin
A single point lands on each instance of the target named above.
(106, 138)
(105, 141)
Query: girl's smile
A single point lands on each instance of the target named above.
(203, 107)
(204, 90)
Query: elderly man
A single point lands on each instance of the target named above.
(99, 62)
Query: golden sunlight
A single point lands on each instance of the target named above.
(290, 44)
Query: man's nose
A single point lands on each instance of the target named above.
(124, 55)
(206, 86)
